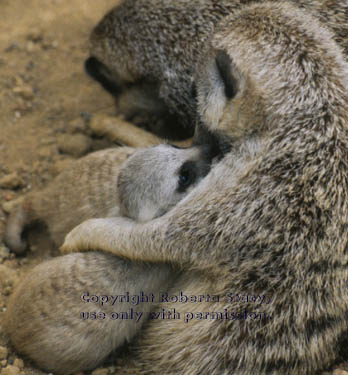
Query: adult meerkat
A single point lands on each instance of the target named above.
(146, 51)
(51, 316)
(270, 218)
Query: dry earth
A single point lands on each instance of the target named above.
(45, 100)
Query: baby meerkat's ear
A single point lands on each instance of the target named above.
(229, 74)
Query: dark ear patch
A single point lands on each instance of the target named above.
(225, 69)
(101, 73)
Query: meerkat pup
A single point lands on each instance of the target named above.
(109, 183)
(68, 314)
(269, 219)
(145, 52)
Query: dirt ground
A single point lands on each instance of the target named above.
(45, 101)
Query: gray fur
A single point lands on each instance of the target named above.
(270, 218)
(151, 49)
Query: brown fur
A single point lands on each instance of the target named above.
(271, 218)
(88, 189)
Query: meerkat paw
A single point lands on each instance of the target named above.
(96, 234)
(79, 239)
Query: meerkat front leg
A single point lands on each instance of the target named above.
(156, 240)
(128, 134)
(116, 235)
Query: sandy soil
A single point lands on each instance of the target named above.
(45, 99)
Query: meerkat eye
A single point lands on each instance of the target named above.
(224, 66)
(187, 176)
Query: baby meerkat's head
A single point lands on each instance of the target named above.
(155, 179)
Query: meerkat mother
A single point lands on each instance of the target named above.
(270, 218)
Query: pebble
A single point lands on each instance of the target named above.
(19, 363)
(45, 152)
(74, 144)
(32, 47)
(8, 277)
(35, 35)
(10, 205)
(3, 352)
(60, 165)
(77, 126)
(10, 370)
(4, 254)
(25, 92)
(11, 181)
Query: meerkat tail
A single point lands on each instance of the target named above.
(19, 218)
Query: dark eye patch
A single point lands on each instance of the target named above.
(187, 176)
(224, 66)
(101, 73)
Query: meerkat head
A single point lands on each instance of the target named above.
(154, 179)
(111, 62)
(266, 66)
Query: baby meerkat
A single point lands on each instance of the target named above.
(146, 52)
(109, 183)
(270, 218)
(49, 318)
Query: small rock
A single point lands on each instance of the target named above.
(9, 206)
(4, 254)
(8, 277)
(101, 371)
(11, 181)
(45, 152)
(35, 35)
(9, 196)
(60, 165)
(19, 363)
(25, 92)
(77, 126)
(3, 352)
(10, 370)
(32, 47)
(74, 144)
(3, 363)
(7, 290)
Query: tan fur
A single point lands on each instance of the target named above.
(43, 316)
(271, 218)
(44, 321)
(126, 133)
(88, 189)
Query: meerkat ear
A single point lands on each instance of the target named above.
(101, 73)
(228, 74)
